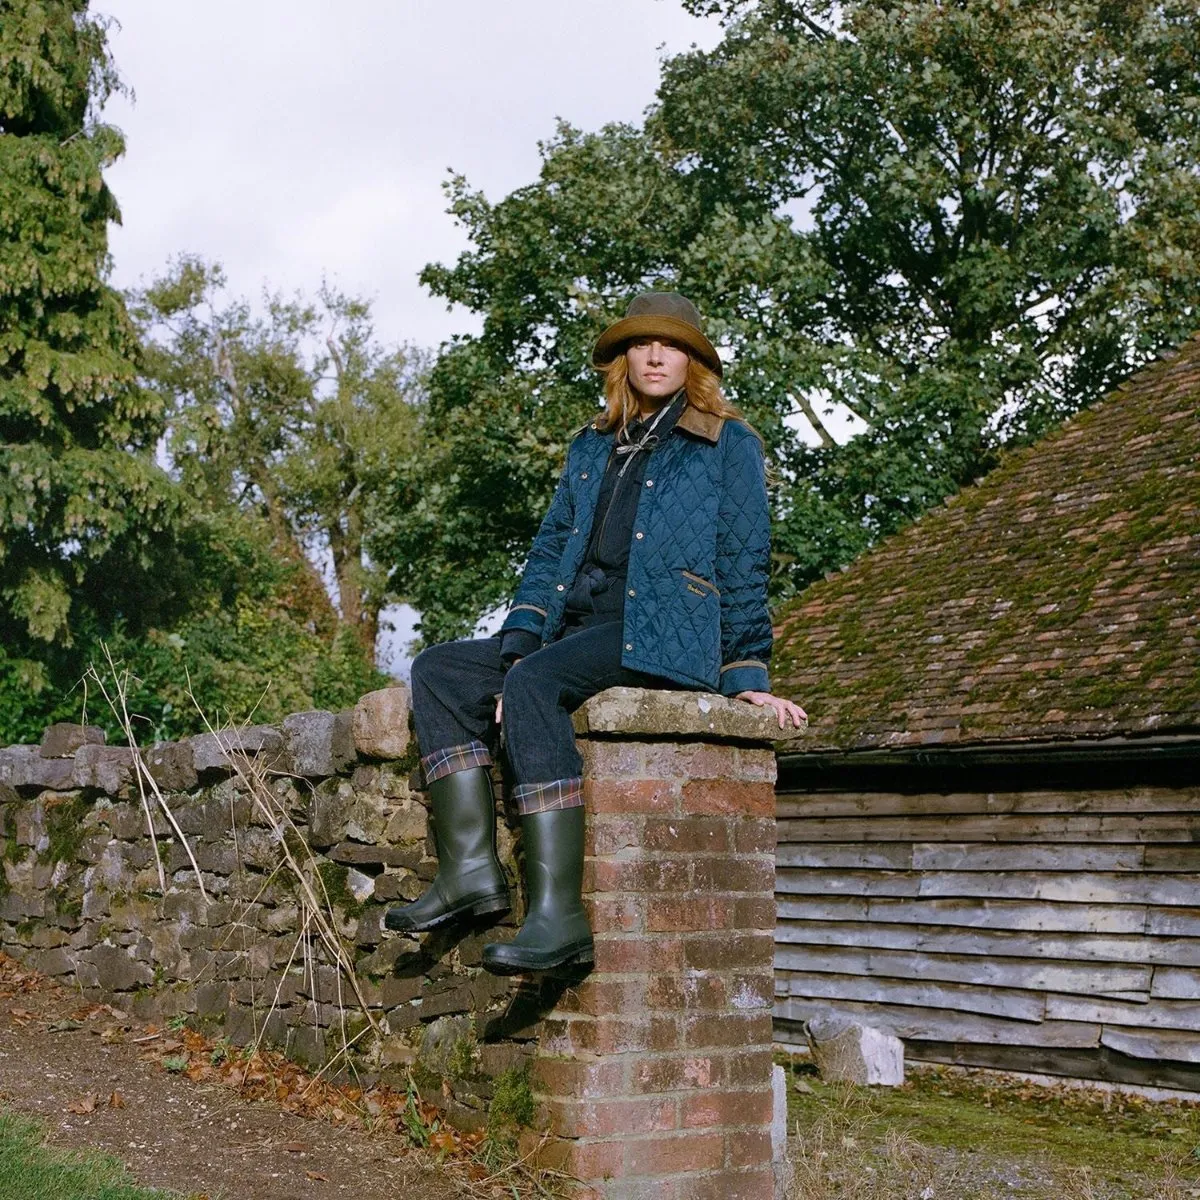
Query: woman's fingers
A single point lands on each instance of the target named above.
(785, 710)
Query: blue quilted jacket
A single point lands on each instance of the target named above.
(696, 588)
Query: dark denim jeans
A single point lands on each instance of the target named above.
(454, 688)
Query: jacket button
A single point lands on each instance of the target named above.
(639, 535)
(628, 645)
(562, 587)
(632, 592)
(576, 529)
(583, 476)
(649, 482)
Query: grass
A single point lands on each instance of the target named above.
(31, 1170)
(946, 1135)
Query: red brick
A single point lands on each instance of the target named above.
(579, 1079)
(688, 760)
(617, 1034)
(615, 914)
(601, 996)
(748, 874)
(618, 1116)
(714, 1030)
(726, 951)
(749, 1068)
(671, 1154)
(733, 1185)
(683, 916)
(677, 1072)
(641, 875)
(721, 795)
(630, 795)
(753, 989)
(751, 1148)
(720, 1108)
(689, 834)
(611, 760)
(756, 836)
(603, 1159)
(567, 1036)
(608, 834)
(756, 912)
(629, 953)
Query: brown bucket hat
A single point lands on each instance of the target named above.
(667, 314)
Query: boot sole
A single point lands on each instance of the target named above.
(472, 908)
(569, 956)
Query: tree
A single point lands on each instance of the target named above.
(957, 221)
(297, 415)
(83, 507)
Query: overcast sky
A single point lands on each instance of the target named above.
(291, 139)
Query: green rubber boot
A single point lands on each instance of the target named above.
(556, 932)
(470, 881)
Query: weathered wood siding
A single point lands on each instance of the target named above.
(1044, 930)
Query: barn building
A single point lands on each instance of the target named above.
(990, 844)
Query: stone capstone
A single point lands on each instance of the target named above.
(627, 710)
(381, 723)
(319, 743)
(63, 739)
(212, 751)
(24, 767)
(170, 765)
(846, 1052)
(107, 769)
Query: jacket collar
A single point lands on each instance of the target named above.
(702, 424)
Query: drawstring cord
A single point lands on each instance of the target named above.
(647, 441)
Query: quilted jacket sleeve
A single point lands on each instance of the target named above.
(743, 560)
(529, 606)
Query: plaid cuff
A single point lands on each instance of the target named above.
(454, 758)
(548, 797)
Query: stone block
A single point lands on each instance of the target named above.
(114, 969)
(846, 1052)
(651, 711)
(318, 743)
(329, 812)
(381, 723)
(409, 823)
(212, 751)
(105, 768)
(62, 739)
(24, 767)
(171, 765)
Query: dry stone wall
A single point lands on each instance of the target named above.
(82, 897)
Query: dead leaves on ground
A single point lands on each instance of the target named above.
(90, 1101)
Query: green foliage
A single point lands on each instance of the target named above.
(83, 507)
(297, 416)
(950, 224)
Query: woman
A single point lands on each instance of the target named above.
(649, 570)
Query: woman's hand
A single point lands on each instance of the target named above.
(783, 708)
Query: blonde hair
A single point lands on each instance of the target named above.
(702, 385)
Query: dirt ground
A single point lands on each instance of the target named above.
(93, 1078)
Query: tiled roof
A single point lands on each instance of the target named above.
(1055, 599)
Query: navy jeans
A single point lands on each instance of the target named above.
(454, 688)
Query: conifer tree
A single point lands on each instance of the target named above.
(82, 501)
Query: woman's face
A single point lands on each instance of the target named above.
(657, 366)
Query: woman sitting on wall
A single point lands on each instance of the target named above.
(649, 570)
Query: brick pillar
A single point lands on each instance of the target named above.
(654, 1073)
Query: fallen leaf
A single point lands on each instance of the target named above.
(295, 1147)
(116, 1100)
(317, 1176)
(84, 1105)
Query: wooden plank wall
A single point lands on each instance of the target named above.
(1010, 928)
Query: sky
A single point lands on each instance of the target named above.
(295, 140)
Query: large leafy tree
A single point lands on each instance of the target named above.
(949, 224)
(83, 506)
(296, 415)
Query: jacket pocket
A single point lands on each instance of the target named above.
(699, 579)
